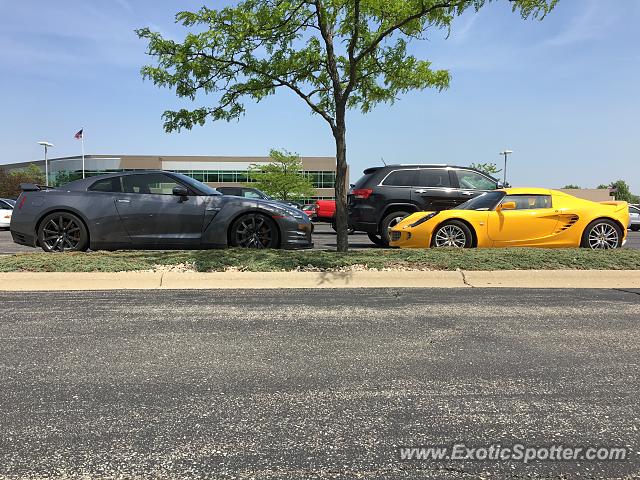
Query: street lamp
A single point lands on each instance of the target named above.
(506, 153)
(46, 146)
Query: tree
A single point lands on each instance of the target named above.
(572, 187)
(488, 168)
(622, 191)
(10, 182)
(336, 55)
(282, 178)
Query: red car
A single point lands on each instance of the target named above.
(326, 212)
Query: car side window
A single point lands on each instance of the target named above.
(474, 181)
(401, 178)
(251, 194)
(635, 210)
(529, 202)
(107, 185)
(434, 178)
(149, 184)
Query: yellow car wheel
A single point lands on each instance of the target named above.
(454, 233)
(602, 234)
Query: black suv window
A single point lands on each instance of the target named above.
(474, 180)
(150, 183)
(107, 185)
(401, 178)
(434, 177)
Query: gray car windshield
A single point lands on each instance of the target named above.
(202, 187)
(486, 201)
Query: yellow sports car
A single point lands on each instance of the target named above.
(517, 217)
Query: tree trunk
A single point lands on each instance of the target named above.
(340, 134)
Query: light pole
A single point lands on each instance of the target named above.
(46, 146)
(506, 153)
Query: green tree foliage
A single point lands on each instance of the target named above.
(282, 178)
(572, 187)
(10, 182)
(488, 168)
(622, 191)
(335, 55)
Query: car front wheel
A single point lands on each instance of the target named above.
(62, 232)
(254, 230)
(602, 234)
(452, 234)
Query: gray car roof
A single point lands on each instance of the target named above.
(83, 184)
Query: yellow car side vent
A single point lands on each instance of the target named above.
(566, 222)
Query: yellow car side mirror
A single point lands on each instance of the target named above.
(507, 206)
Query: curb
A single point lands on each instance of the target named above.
(67, 281)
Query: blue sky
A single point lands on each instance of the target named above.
(562, 93)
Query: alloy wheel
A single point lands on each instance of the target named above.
(61, 233)
(254, 231)
(603, 236)
(450, 236)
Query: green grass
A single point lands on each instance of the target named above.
(276, 260)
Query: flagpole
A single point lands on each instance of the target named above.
(82, 139)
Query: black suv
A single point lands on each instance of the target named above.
(384, 195)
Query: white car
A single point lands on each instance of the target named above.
(634, 217)
(6, 209)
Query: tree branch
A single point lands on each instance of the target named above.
(384, 34)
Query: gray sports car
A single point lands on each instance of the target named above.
(151, 210)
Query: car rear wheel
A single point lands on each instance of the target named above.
(376, 239)
(62, 232)
(454, 234)
(602, 234)
(254, 230)
(635, 228)
(388, 223)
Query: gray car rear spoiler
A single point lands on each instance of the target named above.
(32, 187)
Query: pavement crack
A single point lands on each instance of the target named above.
(161, 279)
(464, 279)
(627, 291)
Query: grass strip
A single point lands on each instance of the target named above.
(316, 260)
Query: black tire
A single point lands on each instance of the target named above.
(635, 228)
(254, 230)
(62, 232)
(375, 238)
(350, 231)
(388, 222)
(602, 234)
(452, 234)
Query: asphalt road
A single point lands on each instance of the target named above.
(314, 384)
(324, 238)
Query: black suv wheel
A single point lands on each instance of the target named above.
(388, 223)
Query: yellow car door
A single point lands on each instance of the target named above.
(522, 220)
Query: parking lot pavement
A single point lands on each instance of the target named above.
(316, 384)
(324, 238)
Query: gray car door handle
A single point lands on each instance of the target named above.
(422, 190)
(123, 200)
(467, 193)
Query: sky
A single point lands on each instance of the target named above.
(563, 93)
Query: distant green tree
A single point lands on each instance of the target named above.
(622, 191)
(62, 178)
(488, 168)
(10, 181)
(282, 178)
(572, 187)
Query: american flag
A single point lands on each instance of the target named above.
(78, 136)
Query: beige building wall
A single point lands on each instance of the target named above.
(593, 194)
